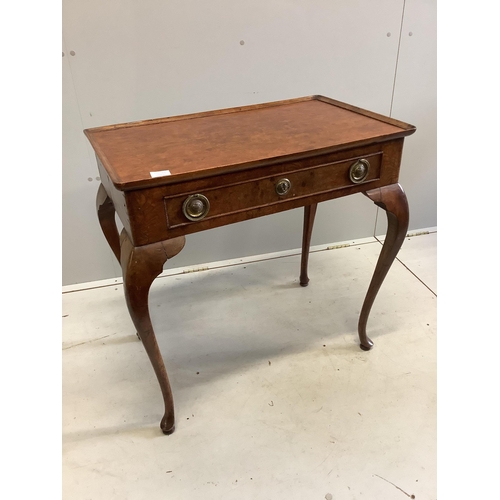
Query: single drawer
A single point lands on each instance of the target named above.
(279, 186)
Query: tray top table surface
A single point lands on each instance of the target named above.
(196, 145)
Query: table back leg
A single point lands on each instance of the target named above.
(393, 200)
(140, 266)
(309, 214)
(106, 215)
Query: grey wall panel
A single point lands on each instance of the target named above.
(149, 59)
(86, 256)
(415, 99)
(143, 60)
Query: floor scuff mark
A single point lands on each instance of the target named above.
(408, 495)
(87, 341)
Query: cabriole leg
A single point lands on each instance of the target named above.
(106, 215)
(140, 266)
(393, 200)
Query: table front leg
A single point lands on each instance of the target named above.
(106, 216)
(309, 214)
(140, 266)
(393, 200)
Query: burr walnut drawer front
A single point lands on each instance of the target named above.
(277, 187)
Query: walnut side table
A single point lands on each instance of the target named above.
(169, 177)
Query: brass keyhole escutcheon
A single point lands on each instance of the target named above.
(282, 187)
(195, 207)
(359, 171)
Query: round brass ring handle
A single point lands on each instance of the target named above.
(359, 171)
(195, 207)
(282, 187)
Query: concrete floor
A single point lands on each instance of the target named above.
(274, 399)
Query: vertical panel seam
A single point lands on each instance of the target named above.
(397, 57)
(393, 91)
